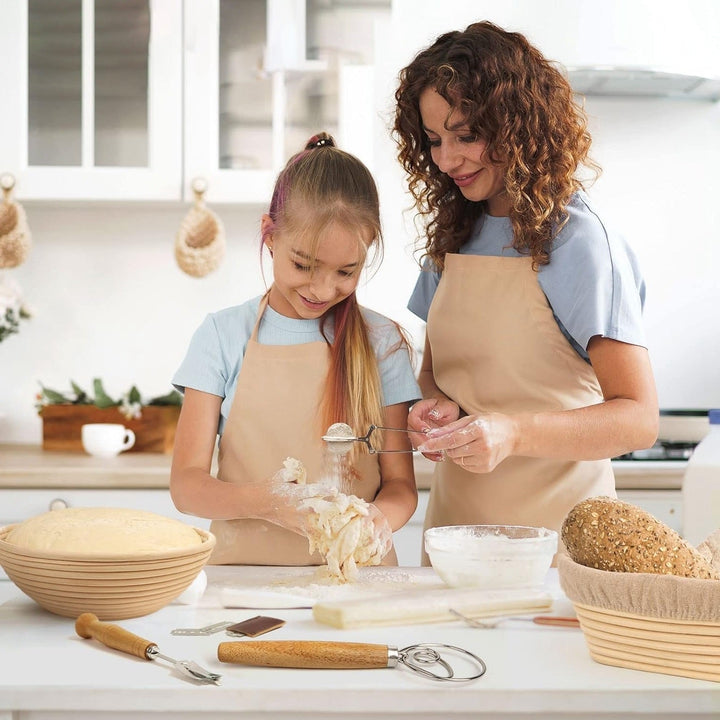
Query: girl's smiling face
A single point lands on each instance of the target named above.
(461, 154)
(307, 282)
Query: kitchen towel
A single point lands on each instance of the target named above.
(666, 597)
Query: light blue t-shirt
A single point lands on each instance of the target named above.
(592, 283)
(213, 361)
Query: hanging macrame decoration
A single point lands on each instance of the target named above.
(15, 237)
(200, 242)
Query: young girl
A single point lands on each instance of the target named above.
(534, 372)
(270, 376)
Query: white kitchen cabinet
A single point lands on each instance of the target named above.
(133, 99)
(665, 505)
(17, 505)
(92, 97)
(409, 538)
(261, 77)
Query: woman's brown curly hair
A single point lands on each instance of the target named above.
(523, 107)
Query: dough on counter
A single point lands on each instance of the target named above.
(609, 534)
(103, 531)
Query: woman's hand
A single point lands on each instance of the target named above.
(479, 443)
(426, 415)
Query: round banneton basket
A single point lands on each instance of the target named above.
(657, 623)
(113, 587)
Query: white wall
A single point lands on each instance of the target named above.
(110, 301)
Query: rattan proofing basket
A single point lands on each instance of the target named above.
(657, 623)
(113, 587)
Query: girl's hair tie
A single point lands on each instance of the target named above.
(322, 140)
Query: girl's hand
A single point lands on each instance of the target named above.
(426, 415)
(286, 504)
(381, 533)
(285, 511)
(479, 443)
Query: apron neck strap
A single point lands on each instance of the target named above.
(264, 300)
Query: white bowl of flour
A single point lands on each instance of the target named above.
(492, 557)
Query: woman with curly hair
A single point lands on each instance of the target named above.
(535, 371)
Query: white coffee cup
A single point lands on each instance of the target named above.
(106, 439)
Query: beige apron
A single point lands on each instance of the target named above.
(496, 347)
(268, 422)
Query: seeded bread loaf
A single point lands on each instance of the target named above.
(609, 534)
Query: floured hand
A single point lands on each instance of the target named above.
(346, 530)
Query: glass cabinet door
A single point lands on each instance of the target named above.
(261, 77)
(96, 88)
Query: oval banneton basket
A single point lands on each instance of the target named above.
(113, 587)
(656, 623)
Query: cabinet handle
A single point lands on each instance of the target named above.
(58, 504)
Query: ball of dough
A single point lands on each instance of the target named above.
(609, 534)
(103, 531)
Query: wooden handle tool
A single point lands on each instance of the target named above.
(112, 636)
(308, 654)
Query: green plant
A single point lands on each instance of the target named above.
(130, 404)
(12, 307)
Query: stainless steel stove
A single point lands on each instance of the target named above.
(662, 451)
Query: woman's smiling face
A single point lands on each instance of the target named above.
(461, 154)
(308, 282)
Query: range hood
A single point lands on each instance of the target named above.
(625, 81)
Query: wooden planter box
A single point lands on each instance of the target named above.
(154, 429)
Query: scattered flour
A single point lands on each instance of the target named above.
(317, 585)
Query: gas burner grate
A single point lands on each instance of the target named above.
(661, 450)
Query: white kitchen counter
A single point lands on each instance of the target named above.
(49, 673)
(29, 466)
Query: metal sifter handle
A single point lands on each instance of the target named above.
(365, 439)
